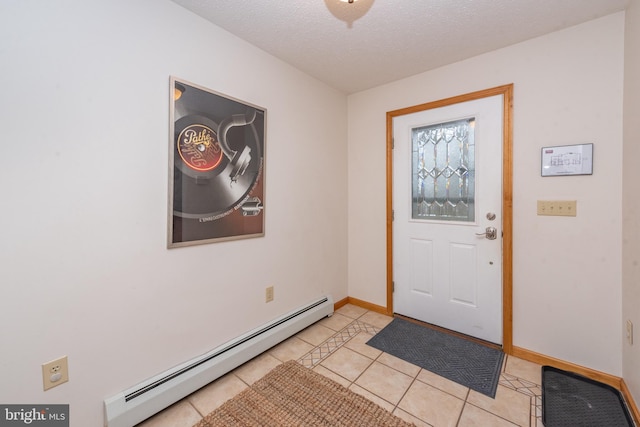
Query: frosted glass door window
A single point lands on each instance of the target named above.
(443, 171)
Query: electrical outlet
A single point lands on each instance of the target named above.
(269, 294)
(55, 373)
(630, 332)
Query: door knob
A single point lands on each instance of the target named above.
(490, 233)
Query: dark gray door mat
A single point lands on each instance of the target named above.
(569, 400)
(466, 362)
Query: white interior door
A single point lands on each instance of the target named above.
(447, 201)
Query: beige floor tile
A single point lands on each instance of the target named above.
(431, 405)
(372, 397)
(422, 397)
(376, 319)
(315, 334)
(215, 394)
(359, 344)
(473, 416)
(352, 311)
(181, 414)
(399, 364)
(410, 418)
(385, 382)
(336, 322)
(291, 349)
(256, 368)
(508, 404)
(524, 369)
(443, 384)
(332, 375)
(347, 363)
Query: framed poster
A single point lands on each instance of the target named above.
(567, 160)
(216, 167)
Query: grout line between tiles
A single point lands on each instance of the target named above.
(196, 409)
(493, 413)
(397, 405)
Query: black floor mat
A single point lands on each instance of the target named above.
(466, 362)
(570, 400)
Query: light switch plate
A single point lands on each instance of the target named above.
(557, 207)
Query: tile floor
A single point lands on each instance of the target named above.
(336, 347)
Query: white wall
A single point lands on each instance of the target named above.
(84, 267)
(631, 199)
(567, 280)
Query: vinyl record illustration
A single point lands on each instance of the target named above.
(217, 162)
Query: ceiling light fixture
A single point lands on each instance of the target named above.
(348, 10)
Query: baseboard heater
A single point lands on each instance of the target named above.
(138, 403)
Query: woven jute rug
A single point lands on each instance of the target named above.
(292, 395)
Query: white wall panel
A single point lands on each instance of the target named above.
(566, 271)
(631, 200)
(84, 170)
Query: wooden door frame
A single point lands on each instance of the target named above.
(507, 198)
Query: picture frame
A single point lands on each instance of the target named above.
(216, 166)
(564, 160)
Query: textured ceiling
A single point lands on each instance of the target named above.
(357, 46)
